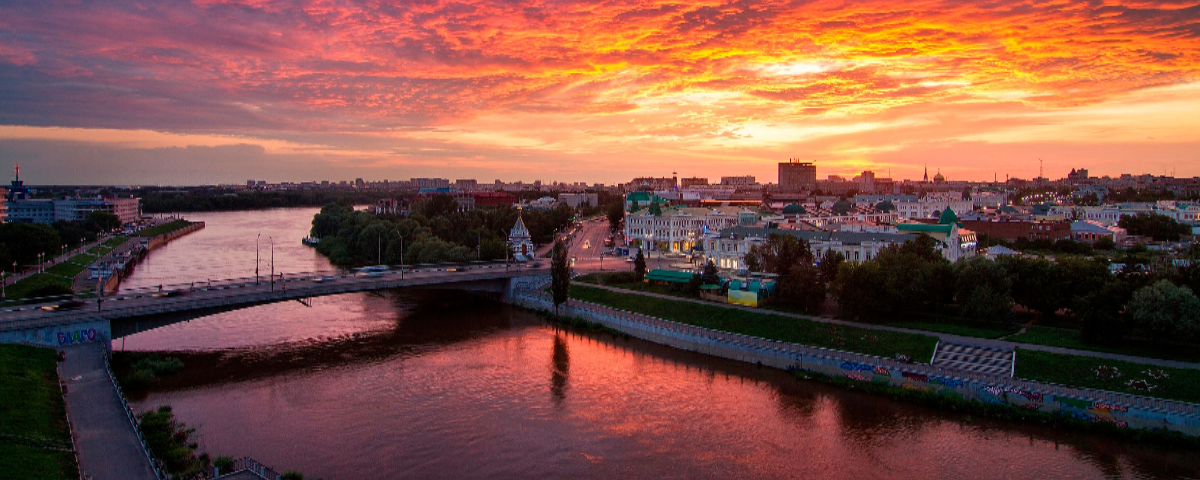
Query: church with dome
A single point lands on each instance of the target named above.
(519, 241)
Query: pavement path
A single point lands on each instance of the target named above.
(107, 445)
(944, 337)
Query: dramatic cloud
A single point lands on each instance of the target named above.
(584, 90)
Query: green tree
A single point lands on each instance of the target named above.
(1159, 227)
(655, 209)
(101, 222)
(1033, 282)
(1105, 243)
(634, 207)
(560, 275)
(711, 275)
(615, 214)
(829, 264)
(1101, 312)
(1165, 311)
(639, 266)
(751, 259)
(801, 287)
(983, 289)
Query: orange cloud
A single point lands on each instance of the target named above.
(756, 79)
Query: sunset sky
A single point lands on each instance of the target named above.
(210, 91)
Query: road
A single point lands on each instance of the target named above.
(17, 317)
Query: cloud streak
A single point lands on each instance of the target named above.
(654, 80)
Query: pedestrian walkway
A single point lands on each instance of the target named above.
(107, 445)
(944, 337)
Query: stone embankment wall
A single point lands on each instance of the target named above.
(160, 240)
(1123, 410)
(114, 282)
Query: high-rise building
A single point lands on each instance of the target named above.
(795, 176)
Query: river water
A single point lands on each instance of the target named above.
(447, 385)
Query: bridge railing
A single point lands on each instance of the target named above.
(261, 279)
(223, 298)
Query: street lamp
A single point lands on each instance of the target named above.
(272, 240)
(401, 253)
(256, 260)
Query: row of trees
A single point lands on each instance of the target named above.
(1159, 227)
(433, 232)
(21, 243)
(913, 278)
(803, 279)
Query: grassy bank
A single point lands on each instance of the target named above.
(33, 426)
(164, 228)
(765, 325)
(1056, 337)
(31, 284)
(73, 266)
(1177, 384)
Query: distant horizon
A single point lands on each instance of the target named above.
(210, 92)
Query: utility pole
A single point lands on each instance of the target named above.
(379, 249)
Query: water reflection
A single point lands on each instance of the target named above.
(560, 368)
(447, 385)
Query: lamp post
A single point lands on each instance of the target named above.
(401, 253)
(272, 240)
(379, 249)
(256, 260)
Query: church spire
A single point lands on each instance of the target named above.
(926, 172)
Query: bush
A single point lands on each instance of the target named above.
(224, 463)
(1165, 311)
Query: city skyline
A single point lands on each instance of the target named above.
(220, 92)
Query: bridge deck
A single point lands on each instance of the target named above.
(145, 302)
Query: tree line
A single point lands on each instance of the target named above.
(434, 231)
(912, 279)
(22, 243)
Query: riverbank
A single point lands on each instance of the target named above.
(1127, 411)
(35, 437)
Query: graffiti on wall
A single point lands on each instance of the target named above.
(71, 337)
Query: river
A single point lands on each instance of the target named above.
(447, 385)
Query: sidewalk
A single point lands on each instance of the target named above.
(107, 445)
(945, 337)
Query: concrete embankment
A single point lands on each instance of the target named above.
(1122, 410)
(142, 247)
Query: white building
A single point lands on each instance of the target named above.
(680, 229)
(72, 209)
(728, 250)
(932, 205)
(519, 241)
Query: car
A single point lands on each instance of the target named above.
(67, 305)
(587, 244)
(535, 265)
(169, 293)
(324, 279)
(453, 269)
(370, 273)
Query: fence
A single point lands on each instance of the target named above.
(154, 463)
(247, 464)
(789, 355)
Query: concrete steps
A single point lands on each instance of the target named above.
(974, 359)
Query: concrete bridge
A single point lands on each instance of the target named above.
(83, 320)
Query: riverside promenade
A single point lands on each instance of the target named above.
(107, 445)
(945, 337)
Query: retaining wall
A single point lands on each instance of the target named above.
(1123, 410)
